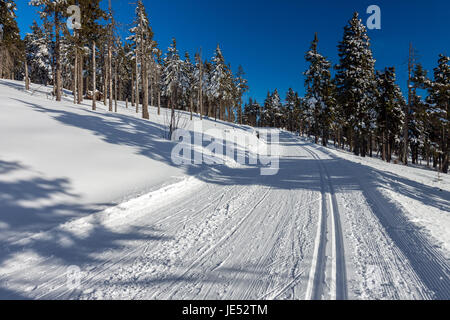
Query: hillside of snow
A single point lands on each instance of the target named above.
(61, 161)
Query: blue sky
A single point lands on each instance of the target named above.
(269, 38)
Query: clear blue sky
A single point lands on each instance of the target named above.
(270, 37)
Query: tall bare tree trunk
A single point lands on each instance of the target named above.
(75, 77)
(191, 105)
(58, 92)
(144, 69)
(132, 88)
(105, 81)
(94, 77)
(1, 58)
(110, 81)
(200, 88)
(145, 114)
(137, 82)
(152, 82)
(115, 87)
(80, 78)
(27, 79)
(159, 102)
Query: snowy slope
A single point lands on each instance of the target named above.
(99, 191)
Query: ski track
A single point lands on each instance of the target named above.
(396, 261)
(338, 285)
(334, 238)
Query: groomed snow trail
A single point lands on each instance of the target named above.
(317, 230)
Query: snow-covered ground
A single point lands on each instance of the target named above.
(99, 191)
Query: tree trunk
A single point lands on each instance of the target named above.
(105, 81)
(159, 102)
(115, 87)
(137, 83)
(145, 114)
(27, 79)
(58, 58)
(94, 77)
(110, 80)
(191, 102)
(80, 78)
(1, 59)
(200, 88)
(132, 88)
(75, 77)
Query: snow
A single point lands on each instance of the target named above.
(423, 196)
(99, 192)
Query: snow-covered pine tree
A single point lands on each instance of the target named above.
(171, 81)
(11, 51)
(38, 55)
(355, 80)
(267, 112)
(158, 76)
(439, 100)
(291, 107)
(231, 96)
(319, 92)
(53, 11)
(208, 86)
(420, 122)
(143, 45)
(199, 83)
(390, 112)
(220, 82)
(272, 111)
(277, 109)
(251, 110)
(242, 87)
(188, 81)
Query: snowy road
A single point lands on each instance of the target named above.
(320, 229)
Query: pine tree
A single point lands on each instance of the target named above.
(242, 87)
(143, 44)
(199, 84)
(319, 92)
(272, 111)
(390, 112)
(38, 55)
(188, 80)
(420, 123)
(291, 107)
(355, 80)
(53, 11)
(439, 100)
(220, 81)
(171, 80)
(251, 113)
(11, 46)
